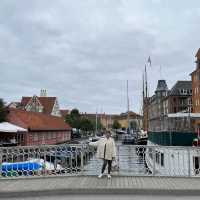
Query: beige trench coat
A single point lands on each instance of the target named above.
(110, 148)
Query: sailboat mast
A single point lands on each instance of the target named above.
(143, 94)
(146, 84)
(145, 101)
(96, 122)
(128, 107)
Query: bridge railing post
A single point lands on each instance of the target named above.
(154, 162)
(118, 152)
(189, 168)
(82, 161)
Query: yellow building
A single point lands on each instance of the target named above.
(107, 120)
(135, 120)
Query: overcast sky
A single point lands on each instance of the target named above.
(83, 51)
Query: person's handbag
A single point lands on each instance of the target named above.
(115, 166)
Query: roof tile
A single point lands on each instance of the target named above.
(36, 121)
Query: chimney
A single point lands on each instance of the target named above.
(43, 93)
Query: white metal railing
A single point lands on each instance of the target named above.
(68, 159)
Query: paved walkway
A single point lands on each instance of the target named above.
(30, 187)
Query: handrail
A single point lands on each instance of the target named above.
(73, 159)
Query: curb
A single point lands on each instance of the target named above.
(86, 191)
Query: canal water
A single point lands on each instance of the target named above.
(130, 162)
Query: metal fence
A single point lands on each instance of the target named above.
(80, 160)
(44, 160)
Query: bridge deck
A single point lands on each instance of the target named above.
(93, 185)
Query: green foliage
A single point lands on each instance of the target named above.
(116, 125)
(3, 112)
(86, 125)
(99, 125)
(74, 119)
(75, 113)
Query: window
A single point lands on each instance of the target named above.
(162, 159)
(182, 101)
(35, 137)
(49, 135)
(157, 157)
(196, 164)
(174, 109)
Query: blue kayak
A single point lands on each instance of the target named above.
(5, 167)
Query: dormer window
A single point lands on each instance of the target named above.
(184, 91)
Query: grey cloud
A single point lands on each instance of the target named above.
(84, 51)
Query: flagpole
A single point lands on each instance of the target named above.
(160, 72)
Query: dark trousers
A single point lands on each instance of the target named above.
(105, 162)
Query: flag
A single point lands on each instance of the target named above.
(149, 61)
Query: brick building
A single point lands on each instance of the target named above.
(43, 104)
(64, 112)
(164, 101)
(195, 76)
(145, 122)
(42, 128)
(156, 109)
(46, 105)
(178, 100)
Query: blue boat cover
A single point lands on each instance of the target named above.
(20, 166)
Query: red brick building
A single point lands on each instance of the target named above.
(64, 112)
(195, 75)
(42, 128)
(43, 104)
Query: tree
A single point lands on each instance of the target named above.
(74, 119)
(75, 113)
(86, 125)
(3, 111)
(99, 124)
(116, 125)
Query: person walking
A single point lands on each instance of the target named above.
(106, 151)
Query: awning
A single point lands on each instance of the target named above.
(10, 128)
(184, 115)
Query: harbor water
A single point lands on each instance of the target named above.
(130, 162)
